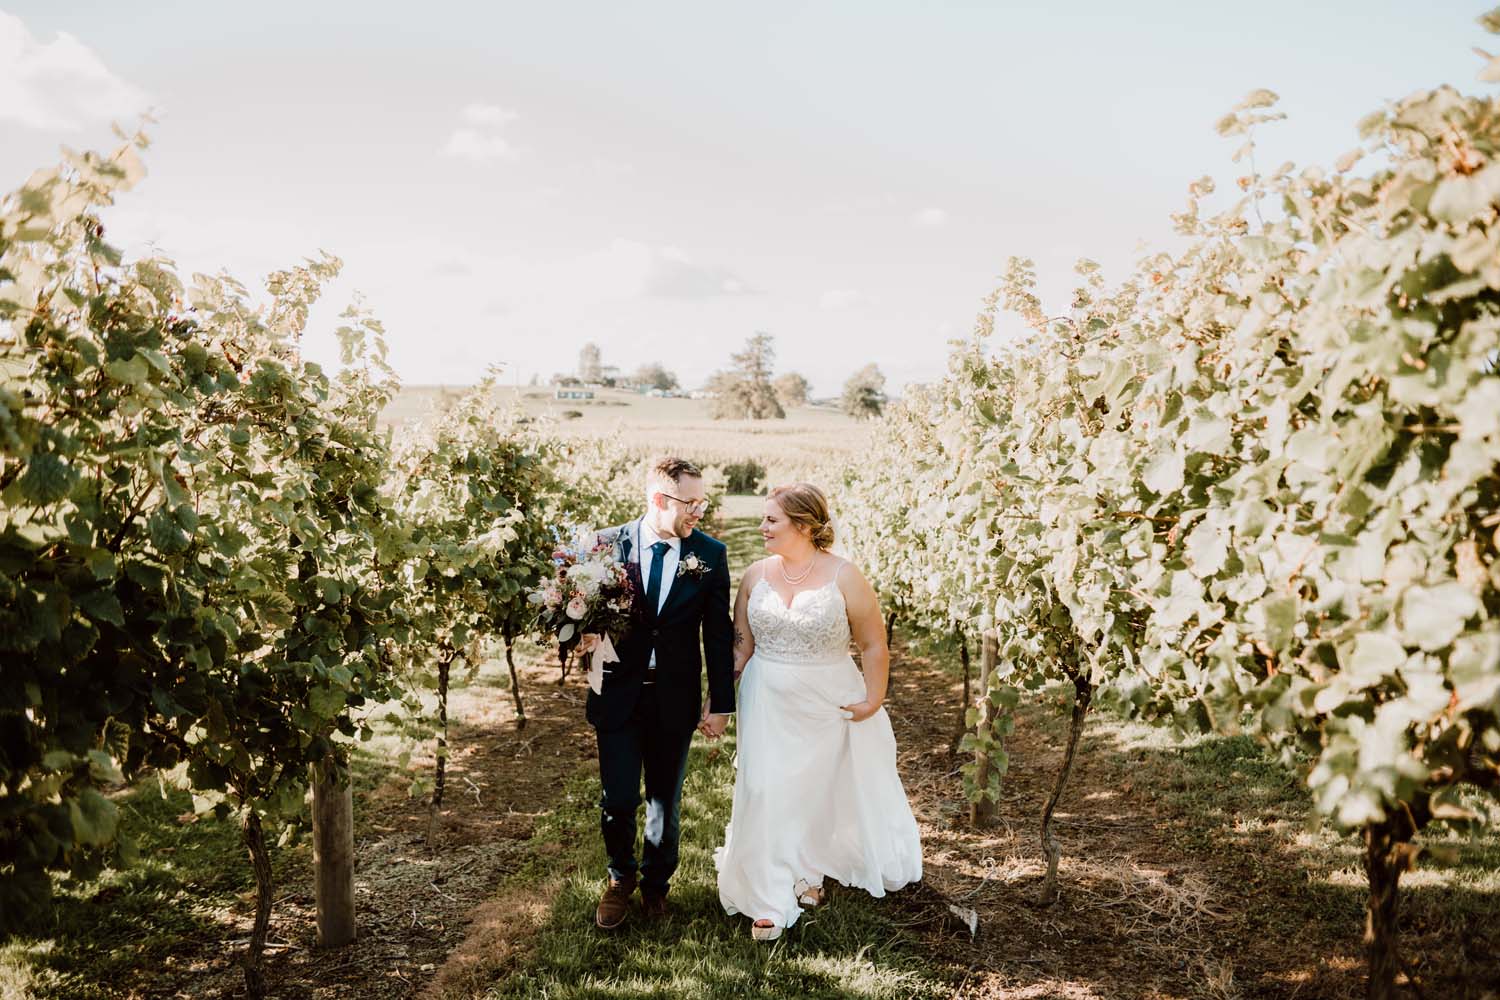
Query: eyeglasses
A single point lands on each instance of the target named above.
(699, 507)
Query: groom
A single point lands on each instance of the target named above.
(650, 701)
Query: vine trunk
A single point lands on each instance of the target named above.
(1083, 694)
(445, 668)
(1388, 853)
(515, 684)
(982, 809)
(963, 708)
(260, 861)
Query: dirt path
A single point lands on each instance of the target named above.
(1174, 884)
(418, 902)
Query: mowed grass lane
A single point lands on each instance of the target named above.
(848, 948)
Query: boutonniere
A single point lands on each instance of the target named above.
(691, 566)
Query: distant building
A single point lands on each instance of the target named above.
(573, 394)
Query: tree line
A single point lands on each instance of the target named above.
(747, 389)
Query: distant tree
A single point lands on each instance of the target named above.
(792, 389)
(743, 477)
(590, 365)
(864, 393)
(654, 376)
(745, 390)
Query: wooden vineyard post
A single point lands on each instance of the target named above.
(333, 855)
(982, 811)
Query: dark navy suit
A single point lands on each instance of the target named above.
(644, 719)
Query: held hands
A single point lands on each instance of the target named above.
(712, 724)
(861, 710)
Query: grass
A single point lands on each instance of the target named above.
(99, 931)
(848, 948)
(1236, 806)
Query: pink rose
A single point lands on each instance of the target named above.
(577, 607)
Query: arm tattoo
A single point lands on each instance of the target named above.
(739, 638)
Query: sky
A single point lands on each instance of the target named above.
(508, 181)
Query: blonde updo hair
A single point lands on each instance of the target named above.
(806, 506)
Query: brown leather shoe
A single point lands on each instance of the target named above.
(614, 904)
(654, 905)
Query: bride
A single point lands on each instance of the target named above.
(816, 793)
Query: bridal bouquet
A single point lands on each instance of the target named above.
(590, 592)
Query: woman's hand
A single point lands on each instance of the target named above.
(861, 710)
(587, 642)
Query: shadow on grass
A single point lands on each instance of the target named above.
(1155, 827)
(1292, 889)
(103, 936)
(848, 948)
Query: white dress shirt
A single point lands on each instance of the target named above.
(649, 537)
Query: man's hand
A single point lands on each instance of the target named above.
(713, 725)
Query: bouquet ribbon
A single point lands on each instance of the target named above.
(602, 654)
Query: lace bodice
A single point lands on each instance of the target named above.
(815, 629)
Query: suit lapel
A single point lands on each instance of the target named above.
(683, 582)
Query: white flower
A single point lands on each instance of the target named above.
(586, 572)
(577, 607)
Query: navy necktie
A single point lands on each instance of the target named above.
(653, 585)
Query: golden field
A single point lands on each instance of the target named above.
(811, 443)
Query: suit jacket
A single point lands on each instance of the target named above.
(696, 607)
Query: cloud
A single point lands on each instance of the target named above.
(480, 141)
(450, 267)
(930, 217)
(674, 276)
(471, 144)
(630, 269)
(487, 114)
(59, 86)
(840, 298)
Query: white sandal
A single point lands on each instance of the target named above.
(807, 893)
(770, 933)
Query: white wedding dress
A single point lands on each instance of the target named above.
(815, 794)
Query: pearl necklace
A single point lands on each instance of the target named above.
(794, 580)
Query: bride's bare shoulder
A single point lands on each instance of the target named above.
(843, 567)
(847, 575)
(754, 572)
